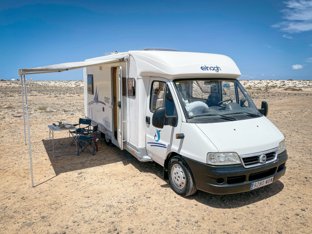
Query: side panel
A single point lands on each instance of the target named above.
(136, 110)
(135, 113)
(99, 104)
(142, 100)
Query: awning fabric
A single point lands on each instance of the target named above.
(65, 66)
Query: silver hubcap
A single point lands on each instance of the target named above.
(178, 176)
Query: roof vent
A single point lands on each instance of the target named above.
(159, 49)
(112, 52)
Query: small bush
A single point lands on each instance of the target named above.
(42, 108)
(292, 89)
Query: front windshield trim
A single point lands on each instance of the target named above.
(211, 117)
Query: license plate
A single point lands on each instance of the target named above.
(261, 183)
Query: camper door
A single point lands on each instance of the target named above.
(117, 105)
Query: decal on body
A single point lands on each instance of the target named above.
(157, 139)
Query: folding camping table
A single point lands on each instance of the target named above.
(56, 128)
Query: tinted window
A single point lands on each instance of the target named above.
(157, 95)
(90, 84)
(169, 104)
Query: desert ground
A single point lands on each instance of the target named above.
(112, 192)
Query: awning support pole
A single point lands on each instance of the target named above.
(24, 114)
(28, 131)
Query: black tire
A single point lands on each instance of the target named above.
(180, 177)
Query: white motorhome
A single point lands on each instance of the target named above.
(189, 113)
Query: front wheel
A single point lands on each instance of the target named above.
(180, 178)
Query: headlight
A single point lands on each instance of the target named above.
(281, 147)
(223, 158)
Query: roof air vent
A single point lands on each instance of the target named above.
(159, 49)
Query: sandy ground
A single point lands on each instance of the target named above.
(114, 193)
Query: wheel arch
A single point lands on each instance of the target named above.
(166, 165)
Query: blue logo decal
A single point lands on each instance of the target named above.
(210, 68)
(157, 135)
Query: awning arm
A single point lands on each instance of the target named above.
(66, 66)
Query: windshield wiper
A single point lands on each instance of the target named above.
(214, 115)
(228, 117)
(246, 113)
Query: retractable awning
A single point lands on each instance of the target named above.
(49, 69)
(70, 66)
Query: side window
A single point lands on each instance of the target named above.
(242, 100)
(131, 87)
(169, 104)
(157, 95)
(128, 87)
(90, 86)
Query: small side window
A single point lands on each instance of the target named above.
(157, 95)
(130, 87)
(90, 85)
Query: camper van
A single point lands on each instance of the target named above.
(189, 113)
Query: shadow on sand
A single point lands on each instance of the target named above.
(68, 161)
(240, 199)
(64, 158)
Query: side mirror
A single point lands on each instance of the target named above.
(158, 120)
(264, 108)
(172, 121)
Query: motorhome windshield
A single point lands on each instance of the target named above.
(215, 100)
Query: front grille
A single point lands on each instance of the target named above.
(270, 156)
(251, 161)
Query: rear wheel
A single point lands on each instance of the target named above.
(180, 178)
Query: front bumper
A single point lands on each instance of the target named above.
(234, 179)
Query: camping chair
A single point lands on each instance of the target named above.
(84, 142)
(84, 128)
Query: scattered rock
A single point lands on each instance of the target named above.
(49, 109)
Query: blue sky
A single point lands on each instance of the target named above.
(268, 39)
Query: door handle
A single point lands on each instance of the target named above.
(179, 136)
(148, 120)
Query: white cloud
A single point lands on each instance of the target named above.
(309, 60)
(297, 17)
(287, 36)
(297, 67)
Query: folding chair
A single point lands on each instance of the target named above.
(84, 127)
(88, 142)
